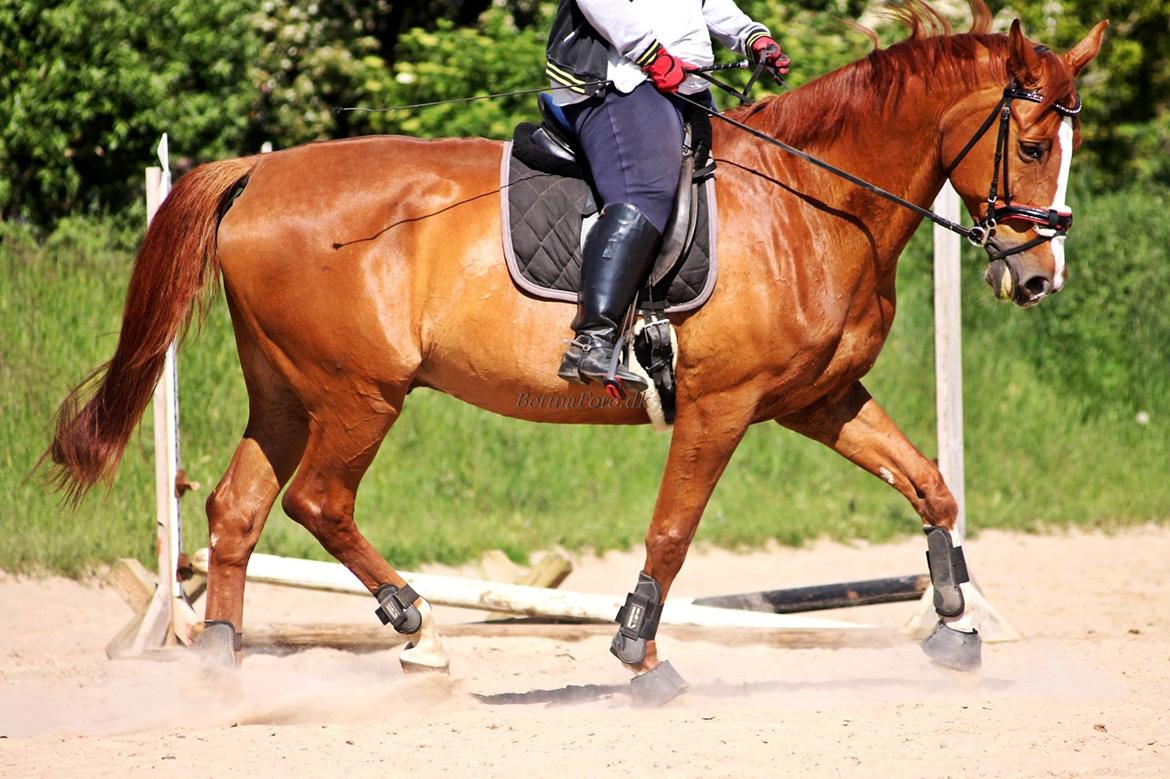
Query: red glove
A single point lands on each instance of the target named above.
(666, 70)
(766, 50)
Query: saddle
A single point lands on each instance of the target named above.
(550, 206)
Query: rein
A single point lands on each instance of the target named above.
(1050, 222)
(1055, 222)
(701, 72)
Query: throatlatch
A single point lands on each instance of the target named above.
(948, 569)
(637, 621)
(397, 608)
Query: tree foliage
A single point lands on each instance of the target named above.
(314, 56)
(87, 86)
(1126, 118)
(452, 62)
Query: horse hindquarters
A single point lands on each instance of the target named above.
(325, 321)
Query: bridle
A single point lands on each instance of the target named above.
(1051, 222)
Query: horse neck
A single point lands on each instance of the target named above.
(895, 147)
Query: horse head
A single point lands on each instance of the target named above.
(1011, 165)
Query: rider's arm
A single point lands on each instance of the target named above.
(623, 24)
(731, 26)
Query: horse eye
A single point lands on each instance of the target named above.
(1033, 151)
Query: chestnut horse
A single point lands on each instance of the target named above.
(358, 270)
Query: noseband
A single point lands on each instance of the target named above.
(1050, 222)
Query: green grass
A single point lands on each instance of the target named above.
(1051, 438)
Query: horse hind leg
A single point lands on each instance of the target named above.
(856, 427)
(341, 446)
(238, 507)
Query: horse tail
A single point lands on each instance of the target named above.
(176, 263)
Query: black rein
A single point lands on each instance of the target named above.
(1057, 221)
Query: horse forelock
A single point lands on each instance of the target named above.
(1059, 84)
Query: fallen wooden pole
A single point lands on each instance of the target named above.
(368, 638)
(550, 573)
(518, 599)
(824, 596)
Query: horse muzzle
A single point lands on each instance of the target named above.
(1018, 282)
(1017, 271)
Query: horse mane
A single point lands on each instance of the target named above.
(820, 111)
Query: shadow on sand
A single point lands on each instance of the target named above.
(926, 686)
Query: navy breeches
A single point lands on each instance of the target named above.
(633, 143)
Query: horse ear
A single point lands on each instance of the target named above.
(1084, 52)
(1024, 64)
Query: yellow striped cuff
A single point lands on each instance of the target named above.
(649, 56)
(755, 36)
(564, 79)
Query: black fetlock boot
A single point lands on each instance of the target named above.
(618, 253)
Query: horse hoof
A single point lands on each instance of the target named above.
(658, 686)
(415, 661)
(215, 647)
(954, 648)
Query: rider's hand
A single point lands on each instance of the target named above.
(766, 50)
(667, 71)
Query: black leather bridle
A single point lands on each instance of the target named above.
(1054, 222)
(1051, 222)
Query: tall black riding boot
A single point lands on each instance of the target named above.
(618, 254)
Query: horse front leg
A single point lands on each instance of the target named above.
(705, 435)
(856, 427)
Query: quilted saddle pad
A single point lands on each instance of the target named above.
(545, 219)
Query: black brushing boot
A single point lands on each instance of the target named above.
(618, 253)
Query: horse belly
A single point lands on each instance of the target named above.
(499, 350)
(388, 265)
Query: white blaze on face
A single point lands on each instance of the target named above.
(1064, 147)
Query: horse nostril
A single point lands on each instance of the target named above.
(1037, 286)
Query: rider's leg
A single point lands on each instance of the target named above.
(633, 143)
(616, 259)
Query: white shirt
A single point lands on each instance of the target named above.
(684, 27)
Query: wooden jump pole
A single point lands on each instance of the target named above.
(948, 354)
(513, 598)
(797, 600)
(359, 638)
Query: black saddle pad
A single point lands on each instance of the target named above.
(545, 217)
